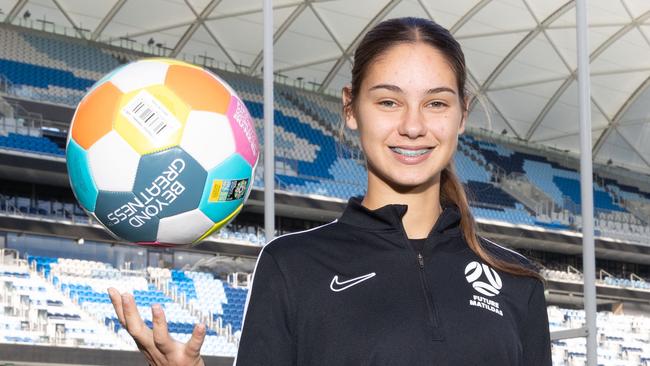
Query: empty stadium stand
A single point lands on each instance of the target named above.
(315, 156)
(63, 302)
(57, 301)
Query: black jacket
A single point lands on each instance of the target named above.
(354, 292)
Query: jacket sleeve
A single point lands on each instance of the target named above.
(536, 340)
(266, 337)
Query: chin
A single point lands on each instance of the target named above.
(405, 183)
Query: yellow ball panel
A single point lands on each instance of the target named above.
(219, 224)
(151, 119)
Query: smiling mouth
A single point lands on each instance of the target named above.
(411, 152)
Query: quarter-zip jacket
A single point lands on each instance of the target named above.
(354, 292)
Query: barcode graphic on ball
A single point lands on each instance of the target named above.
(150, 116)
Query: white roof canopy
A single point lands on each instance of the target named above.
(521, 54)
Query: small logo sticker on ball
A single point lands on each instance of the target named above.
(151, 116)
(227, 190)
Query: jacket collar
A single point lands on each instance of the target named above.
(389, 217)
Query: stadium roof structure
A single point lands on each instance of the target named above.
(521, 53)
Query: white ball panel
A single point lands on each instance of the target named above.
(140, 74)
(183, 228)
(208, 138)
(113, 163)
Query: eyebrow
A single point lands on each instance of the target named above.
(397, 89)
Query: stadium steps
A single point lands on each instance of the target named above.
(6, 110)
(527, 193)
(639, 209)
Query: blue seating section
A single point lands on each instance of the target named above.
(624, 333)
(183, 283)
(14, 274)
(74, 55)
(172, 326)
(42, 263)
(309, 158)
(626, 192)
(41, 145)
(233, 311)
(41, 77)
(571, 188)
(321, 175)
(488, 194)
(469, 170)
(491, 202)
(74, 295)
(512, 215)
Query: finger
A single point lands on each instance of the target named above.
(193, 346)
(116, 299)
(161, 337)
(134, 323)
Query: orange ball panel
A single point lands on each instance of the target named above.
(94, 116)
(198, 88)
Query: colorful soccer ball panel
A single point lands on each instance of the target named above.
(226, 188)
(161, 152)
(79, 171)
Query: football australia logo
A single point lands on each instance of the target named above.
(473, 272)
(485, 281)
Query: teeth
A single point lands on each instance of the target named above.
(410, 152)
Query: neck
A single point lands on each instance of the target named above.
(423, 204)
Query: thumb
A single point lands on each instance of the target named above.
(193, 346)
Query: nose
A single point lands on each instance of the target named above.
(412, 124)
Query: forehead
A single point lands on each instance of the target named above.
(411, 64)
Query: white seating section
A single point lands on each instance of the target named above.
(623, 340)
(56, 301)
(607, 280)
(73, 294)
(33, 311)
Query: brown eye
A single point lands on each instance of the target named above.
(438, 104)
(387, 103)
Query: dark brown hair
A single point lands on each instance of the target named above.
(396, 31)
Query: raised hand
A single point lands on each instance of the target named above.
(158, 346)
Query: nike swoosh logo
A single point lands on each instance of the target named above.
(349, 283)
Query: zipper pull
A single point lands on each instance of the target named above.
(421, 260)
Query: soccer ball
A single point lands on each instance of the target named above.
(161, 152)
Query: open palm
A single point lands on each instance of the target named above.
(157, 345)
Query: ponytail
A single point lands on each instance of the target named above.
(452, 192)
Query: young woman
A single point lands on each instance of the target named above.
(401, 278)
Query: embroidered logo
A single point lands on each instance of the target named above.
(490, 285)
(338, 286)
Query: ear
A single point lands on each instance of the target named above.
(463, 121)
(348, 111)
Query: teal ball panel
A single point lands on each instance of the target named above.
(226, 187)
(171, 179)
(127, 216)
(80, 175)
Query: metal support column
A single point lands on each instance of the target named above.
(269, 155)
(586, 182)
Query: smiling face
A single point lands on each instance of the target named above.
(409, 113)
